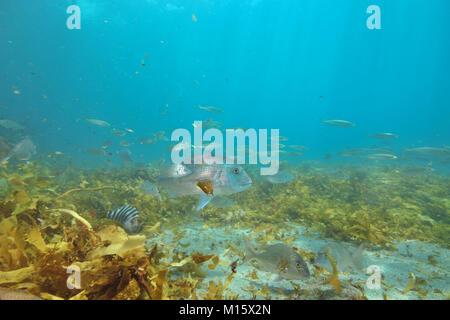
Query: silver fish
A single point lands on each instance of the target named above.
(341, 256)
(280, 138)
(96, 122)
(379, 156)
(10, 124)
(150, 189)
(280, 145)
(384, 136)
(160, 136)
(298, 148)
(354, 152)
(210, 123)
(177, 147)
(23, 151)
(211, 109)
(118, 133)
(431, 152)
(280, 177)
(224, 180)
(278, 259)
(339, 123)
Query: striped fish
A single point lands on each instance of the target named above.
(128, 217)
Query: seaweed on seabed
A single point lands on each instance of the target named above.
(216, 291)
(34, 240)
(111, 261)
(334, 278)
(382, 209)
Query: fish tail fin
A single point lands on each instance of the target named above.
(357, 257)
(250, 253)
(322, 120)
(158, 194)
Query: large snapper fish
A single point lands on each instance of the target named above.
(204, 180)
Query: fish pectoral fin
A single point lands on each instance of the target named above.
(203, 201)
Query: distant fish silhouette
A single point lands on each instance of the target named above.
(23, 151)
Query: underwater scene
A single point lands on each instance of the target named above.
(224, 150)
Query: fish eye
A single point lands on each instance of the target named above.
(236, 170)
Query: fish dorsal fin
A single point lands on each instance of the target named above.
(203, 201)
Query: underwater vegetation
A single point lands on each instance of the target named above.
(50, 221)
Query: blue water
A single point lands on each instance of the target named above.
(267, 64)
